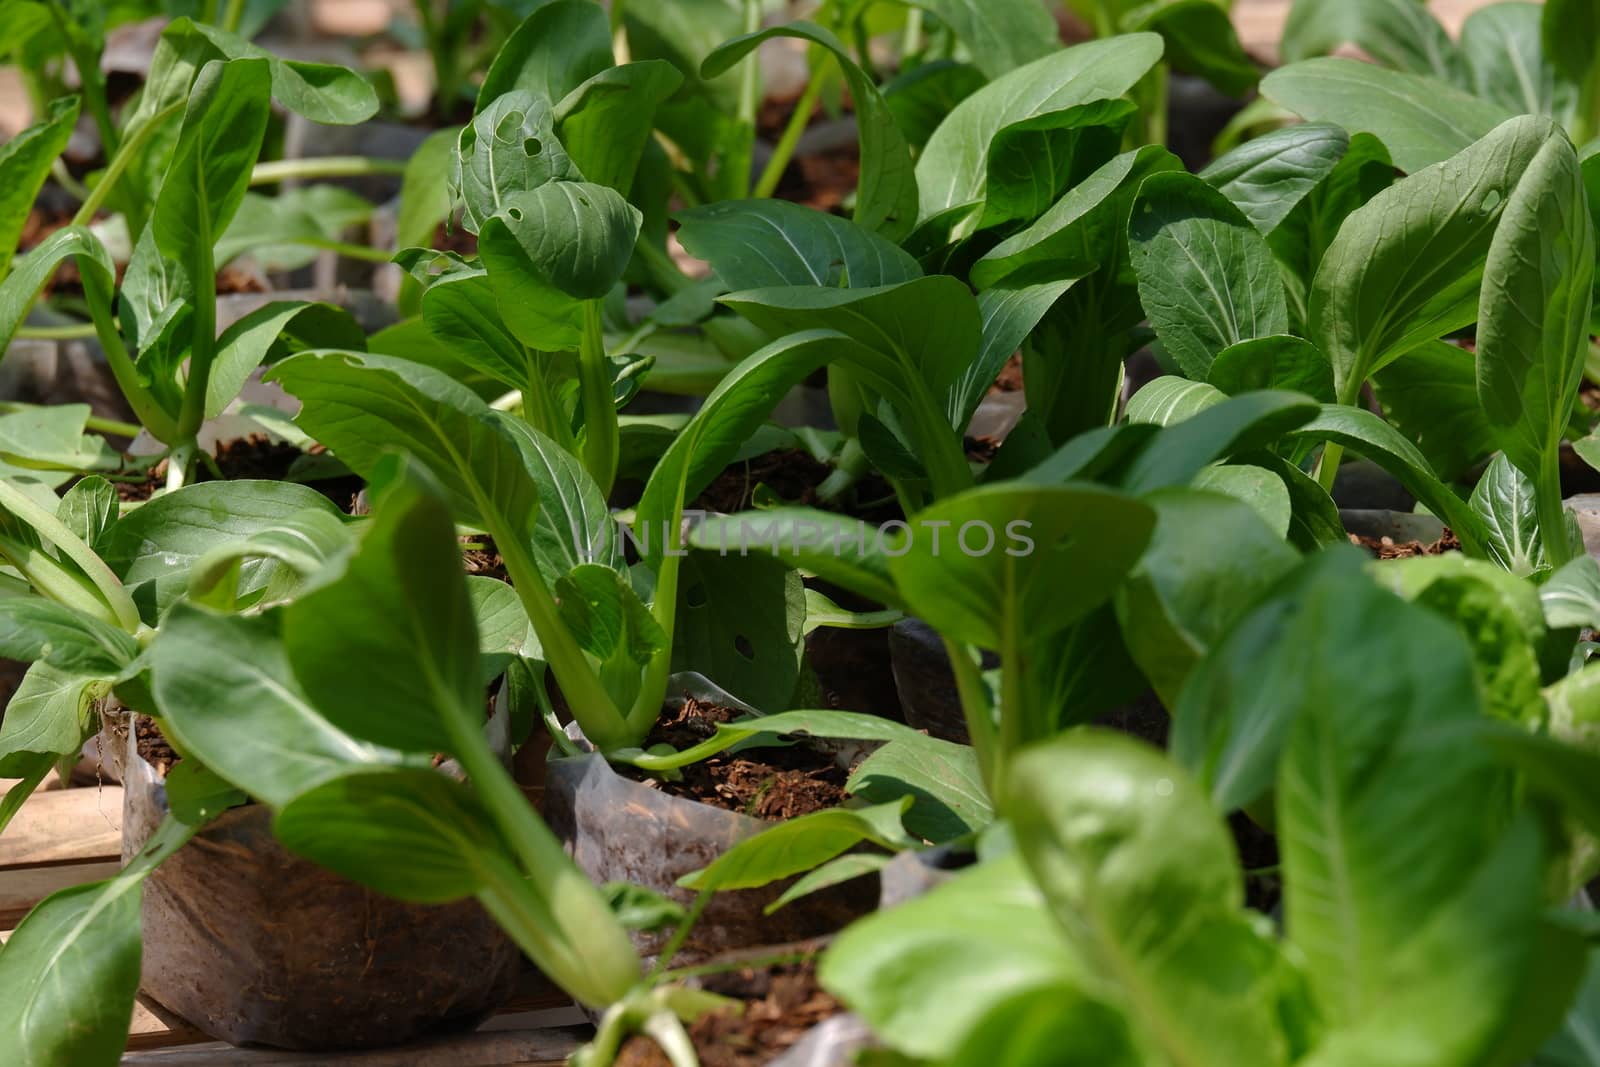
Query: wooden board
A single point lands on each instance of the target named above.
(64, 826)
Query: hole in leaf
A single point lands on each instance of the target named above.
(532, 146)
(695, 597)
(742, 645)
(1491, 200)
(515, 213)
(509, 126)
(583, 201)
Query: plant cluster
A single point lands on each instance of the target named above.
(1390, 260)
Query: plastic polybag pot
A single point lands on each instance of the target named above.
(620, 830)
(255, 945)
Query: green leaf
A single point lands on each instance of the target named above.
(800, 844)
(1224, 427)
(89, 508)
(260, 335)
(1566, 26)
(1206, 276)
(1017, 559)
(72, 966)
(1431, 396)
(1507, 62)
(1533, 331)
(762, 243)
(886, 193)
(741, 621)
(284, 232)
(953, 170)
(1420, 119)
(1398, 34)
(838, 549)
(25, 162)
(849, 866)
(1209, 560)
(1364, 432)
(922, 974)
(605, 122)
(551, 247)
(1201, 40)
(1405, 269)
(154, 547)
(196, 794)
(38, 266)
(1169, 400)
(32, 628)
(400, 601)
(1141, 874)
(1506, 501)
(833, 725)
(510, 147)
(1267, 176)
(1571, 596)
(942, 779)
(462, 314)
(554, 50)
(226, 694)
(1000, 35)
(1082, 230)
(1278, 362)
(424, 191)
(49, 714)
(411, 833)
(322, 92)
(52, 438)
(921, 98)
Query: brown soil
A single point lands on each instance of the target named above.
(774, 783)
(981, 449)
(1010, 378)
(257, 457)
(233, 280)
(454, 239)
(482, 559)
(780, 1005)
(1387, 548)
(795, 475)
(153, 746)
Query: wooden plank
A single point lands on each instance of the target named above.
(502, 1048)
(21, 890)
(65, 826)
(155, 1027)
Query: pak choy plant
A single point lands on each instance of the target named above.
(200, 123)
(259, 698)
(1498, 237)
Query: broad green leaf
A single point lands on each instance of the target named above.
(1009, 315)
(1420, 119)
(554, 50)
(196, 794)
(400, 601)
(953, 169)
(227, 695)
(1038, 1025)
(605, 122)
(1003, 563)
(269, 331)
(606, 615)
(551, 247)
(1267, 176)
(1082, 231)
(849, 866)
(923, 974)
(462, 314)
(1431, 396)
(509, 147)
(1398, 34)
(153, 548)
(303, 542)
(1206, 276)
(1169, 400)
(833, 725)
(1571, 596)
(52, 438)
(1276, 362)
(800, 844)
(943, 779)
(1505, 499)
(32, 628)
(38, 266)
(1224, 427)
(1370, 752)
(223, 126)
(1506, 60)
(424, 190)
(840, 550)
(1200, 40)
(71, 968)
(322, 92)
(413, 833)
(761, 243)
(1406, 268)
(1533, 331)
(1364, 432)
(741, 620)
(1567, 27)
(89, 508)
(886, 195)
(287, 231)
(1209, 560)
(1000, 35)
(920, 98)
(1141, 874)
(1577, 1042)
(50, 713)
(25, 162)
